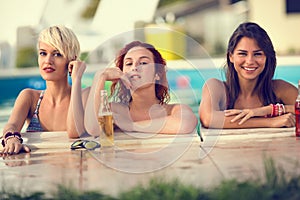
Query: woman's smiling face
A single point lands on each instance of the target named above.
(248, 59)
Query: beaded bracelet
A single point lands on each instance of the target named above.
(272, 112)
(277, 110)
(9, 135)
(281, 109)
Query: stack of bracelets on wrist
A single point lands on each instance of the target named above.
(277, 110)
(9, 135)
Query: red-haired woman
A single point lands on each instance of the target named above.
(141, 94)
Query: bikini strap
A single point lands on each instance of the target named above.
(39, 102)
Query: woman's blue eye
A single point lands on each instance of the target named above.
(42, 53)
(128, 64)
(58, 54)
(143, 63)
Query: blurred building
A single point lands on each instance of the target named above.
(211, 22)
(281, 19)
(21, 21)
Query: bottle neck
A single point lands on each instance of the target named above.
(104, 107)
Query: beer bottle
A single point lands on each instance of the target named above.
(105, 120)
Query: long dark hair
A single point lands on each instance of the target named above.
(264, 85)
(119, 91)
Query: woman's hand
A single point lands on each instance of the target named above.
(114, 74)
(76, 69)
(245, 114)
(13, 146)
(286, 120)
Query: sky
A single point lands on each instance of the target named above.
(14, 13)
(112, 16)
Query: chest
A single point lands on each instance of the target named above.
(156, 111)
(54, 117)
(247, 102)
(142, 114)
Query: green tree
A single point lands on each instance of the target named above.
(26, 57)
(163, 3)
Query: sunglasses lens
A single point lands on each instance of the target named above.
(77, 144)
(90, 145)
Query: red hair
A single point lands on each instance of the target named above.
(122, 94)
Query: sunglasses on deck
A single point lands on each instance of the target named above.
(86, 144)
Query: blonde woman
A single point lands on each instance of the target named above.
(47, 110)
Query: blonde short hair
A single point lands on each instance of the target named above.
(63, 39)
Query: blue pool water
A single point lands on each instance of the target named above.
(180, 81)
(185, 85)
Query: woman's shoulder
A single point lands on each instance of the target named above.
(215, 85)
(283, 88)
(170, 108)
(28, 92)
(214, 81)
(28, 97)
(285, 91)
(280, 84)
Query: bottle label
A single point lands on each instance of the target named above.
(106, 129)
(297, 113)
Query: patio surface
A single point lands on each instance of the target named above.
(137, 158)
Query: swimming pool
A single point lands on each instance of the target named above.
(185, 84)
(179, 81)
